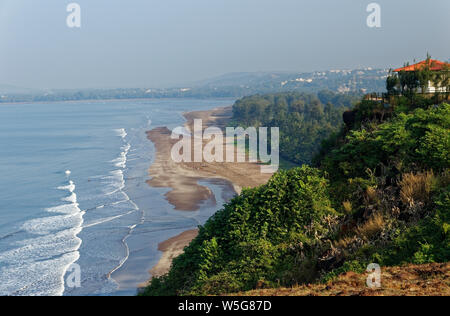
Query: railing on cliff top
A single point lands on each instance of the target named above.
(387, 98)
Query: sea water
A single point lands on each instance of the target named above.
(73, 191)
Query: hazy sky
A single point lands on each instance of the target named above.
(154, 43)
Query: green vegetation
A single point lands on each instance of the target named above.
(250, 242)
(304, 119)
(379, 192)
(416, 141)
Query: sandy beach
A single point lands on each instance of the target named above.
(186, 194)
(171, 249)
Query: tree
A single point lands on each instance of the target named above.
(409, 81)
(424, 75)
(392, 83)
(445, 80)
(302, 118)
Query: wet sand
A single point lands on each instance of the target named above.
(186, 194)
(171, 249)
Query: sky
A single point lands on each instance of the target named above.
(163, 43)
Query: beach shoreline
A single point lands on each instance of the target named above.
(186, 194)
(171, 249)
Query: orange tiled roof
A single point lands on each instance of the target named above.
(435, 65)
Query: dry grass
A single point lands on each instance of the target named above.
(344, 242)
(372, 227)
(406, 280)
(348, 207)
(416, 187)
(372, 194)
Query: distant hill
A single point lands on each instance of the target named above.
(358, 80)
(233, 85)
(242, 79)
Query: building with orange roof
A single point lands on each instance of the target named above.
(432, 65)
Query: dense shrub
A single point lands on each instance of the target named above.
(381, 194)
(424, 242)
(304, 119)
(416, 141)
(249, 243)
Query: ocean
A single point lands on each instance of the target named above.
(73, 193)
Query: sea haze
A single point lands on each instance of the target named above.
(72, 190)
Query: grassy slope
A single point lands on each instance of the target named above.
(409, 280)
(276, 233)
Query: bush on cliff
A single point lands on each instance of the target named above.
(250, 242)
(381, 195)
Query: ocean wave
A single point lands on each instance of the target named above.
(121, 132)
(37, 265)
(126, 148)
(52, 224)
(37, 278)
(44, 247)
(70, 187)
(121, 161)
(72, 198)
(115, 182)
(106, 220)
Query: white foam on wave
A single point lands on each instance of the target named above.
(126, 148)
(106, 220)
(121, 161)
(127, 200)
(51, 245)
(70, 187)
(72, 198)
(52, 224)
(182, 131)
(115, 182)
(37, 265)
(121, 132)
(36, 278)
